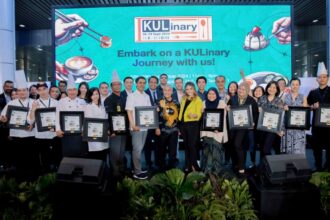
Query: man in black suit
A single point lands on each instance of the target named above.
(4, 130)
(152, 138)
(163, 78)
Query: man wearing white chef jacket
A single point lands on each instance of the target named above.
(25, 152)
(45, 140)
(72, 145)
(139, 135)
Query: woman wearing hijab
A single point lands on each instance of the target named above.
(240, 137)
(213, 151)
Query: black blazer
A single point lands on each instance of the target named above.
(159, 96)
(3, 101)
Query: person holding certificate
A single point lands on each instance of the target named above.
(25, 155)
(45, 139)
(72, 145)
(139, 135)
(241, 137)
(293, 140)
(94, 109)
(115, 103)
(190, 114)
(213, 158)
(320, 135)
(168, 129)
(270, 101)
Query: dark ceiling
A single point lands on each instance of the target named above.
(36, 14)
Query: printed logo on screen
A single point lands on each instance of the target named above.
(173, 29)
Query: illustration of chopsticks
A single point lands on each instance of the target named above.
(68, 19)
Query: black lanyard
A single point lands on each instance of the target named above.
(23, 104)
(44, 103)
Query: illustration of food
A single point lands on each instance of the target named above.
(255, 40)
(106, 41)
(78, 62)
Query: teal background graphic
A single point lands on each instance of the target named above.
(230, 25)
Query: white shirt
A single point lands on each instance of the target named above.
(180, 95)
(48, 103)
(8, 98)
(136, 99)
(94, 111)
(19, 132)
(103, 98)
(67, 104)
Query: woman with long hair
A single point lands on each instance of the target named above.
(94, 109)
(190, 114)
(83, 88)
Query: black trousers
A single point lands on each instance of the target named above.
(190, 135)
(268, 142)
(73, 146)
(320, 139)
(50, 153)
(240, 140)
(99, 155)
(167, 141)
(149, 146)
(26, 158)
(6, 158)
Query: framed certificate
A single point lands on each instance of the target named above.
(118, 123)
(146, 117)
(297, 118)
(45, 119)
(95, 130)
(270, 120)
(240, 117)
(213, 120)
(71, 122)
(322, 116)
(17, 117)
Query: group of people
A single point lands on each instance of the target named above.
(180, 110)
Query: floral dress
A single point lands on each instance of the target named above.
(293, 141)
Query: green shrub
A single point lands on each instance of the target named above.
(172, 195)
(322, 181)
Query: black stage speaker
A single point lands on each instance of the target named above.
(286, 168)
(288, 201)
(81, 171)
(80, 189)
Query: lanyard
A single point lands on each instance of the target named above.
(23, 104)
(44, 103)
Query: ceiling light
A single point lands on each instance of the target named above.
(316, 20)
(316, 55)
(296, 45)
(22, 25)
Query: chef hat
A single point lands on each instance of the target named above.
(321, 69)
(115, 77)
(20, 80)
(71, 82)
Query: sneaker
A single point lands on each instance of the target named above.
(140, 176)
(142, 171)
